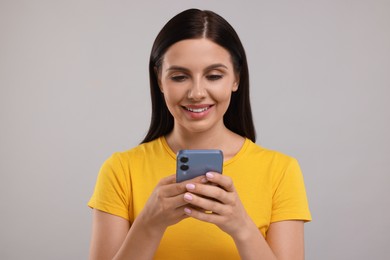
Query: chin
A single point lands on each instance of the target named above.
(198, 127)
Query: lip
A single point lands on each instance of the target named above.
(197, 111)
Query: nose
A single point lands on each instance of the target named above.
(197, 91)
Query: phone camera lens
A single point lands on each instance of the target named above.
(184, 159)
(184, 167)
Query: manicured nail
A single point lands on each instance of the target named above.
(209, 175)
(188, 196)
(187, 211)
(190, 186)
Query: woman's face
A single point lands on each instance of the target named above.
(197, 79)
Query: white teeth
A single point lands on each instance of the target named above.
(197, 110)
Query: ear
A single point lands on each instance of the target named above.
(235, 86)
(236, 83)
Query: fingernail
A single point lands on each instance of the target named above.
(187, 211)
(204, 180)
(190, 186)
(209, 175)
(187, 196)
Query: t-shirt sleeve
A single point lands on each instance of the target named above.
(112, 192)
(289, 198)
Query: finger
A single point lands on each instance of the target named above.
(204, 203)
(177, 214)
(181, 186)
(210, 191)
(167, 187)
(168, 180)
(222, 180)
(172, 179)
(177, 201)
(209, 217)
(181, 213)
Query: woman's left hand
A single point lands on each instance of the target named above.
(218, 204)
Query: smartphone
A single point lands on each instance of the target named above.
(193, 163)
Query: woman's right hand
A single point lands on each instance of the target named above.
(114, 237)
(165, 206)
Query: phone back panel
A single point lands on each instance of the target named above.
(193, 163)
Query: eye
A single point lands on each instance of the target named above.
(214, 77)
(179, 78)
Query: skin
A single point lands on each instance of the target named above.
(197, 74)
(197, 79)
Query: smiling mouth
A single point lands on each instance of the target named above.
(196, 110)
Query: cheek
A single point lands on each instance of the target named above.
(222, 95)
(172, 97)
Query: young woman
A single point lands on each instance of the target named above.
(200, 100)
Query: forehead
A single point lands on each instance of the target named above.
(196, 52)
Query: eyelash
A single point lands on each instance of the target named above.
(214, 77)
(181, 78)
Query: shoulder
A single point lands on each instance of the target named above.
(260, 161)
(120, 164)
(268, 155)
(138, 154)
(139, 150)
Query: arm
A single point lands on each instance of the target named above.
(108, 233)
(284, 239)
(284, 242)
(114, 238)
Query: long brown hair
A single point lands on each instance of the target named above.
(195, 24)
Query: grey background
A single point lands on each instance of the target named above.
(74, 89)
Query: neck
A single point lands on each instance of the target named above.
(218, 138)
(181, 139)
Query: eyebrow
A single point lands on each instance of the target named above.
(211, 67)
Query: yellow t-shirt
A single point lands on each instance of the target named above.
(270, 186)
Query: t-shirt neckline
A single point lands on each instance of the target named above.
(238, 155)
